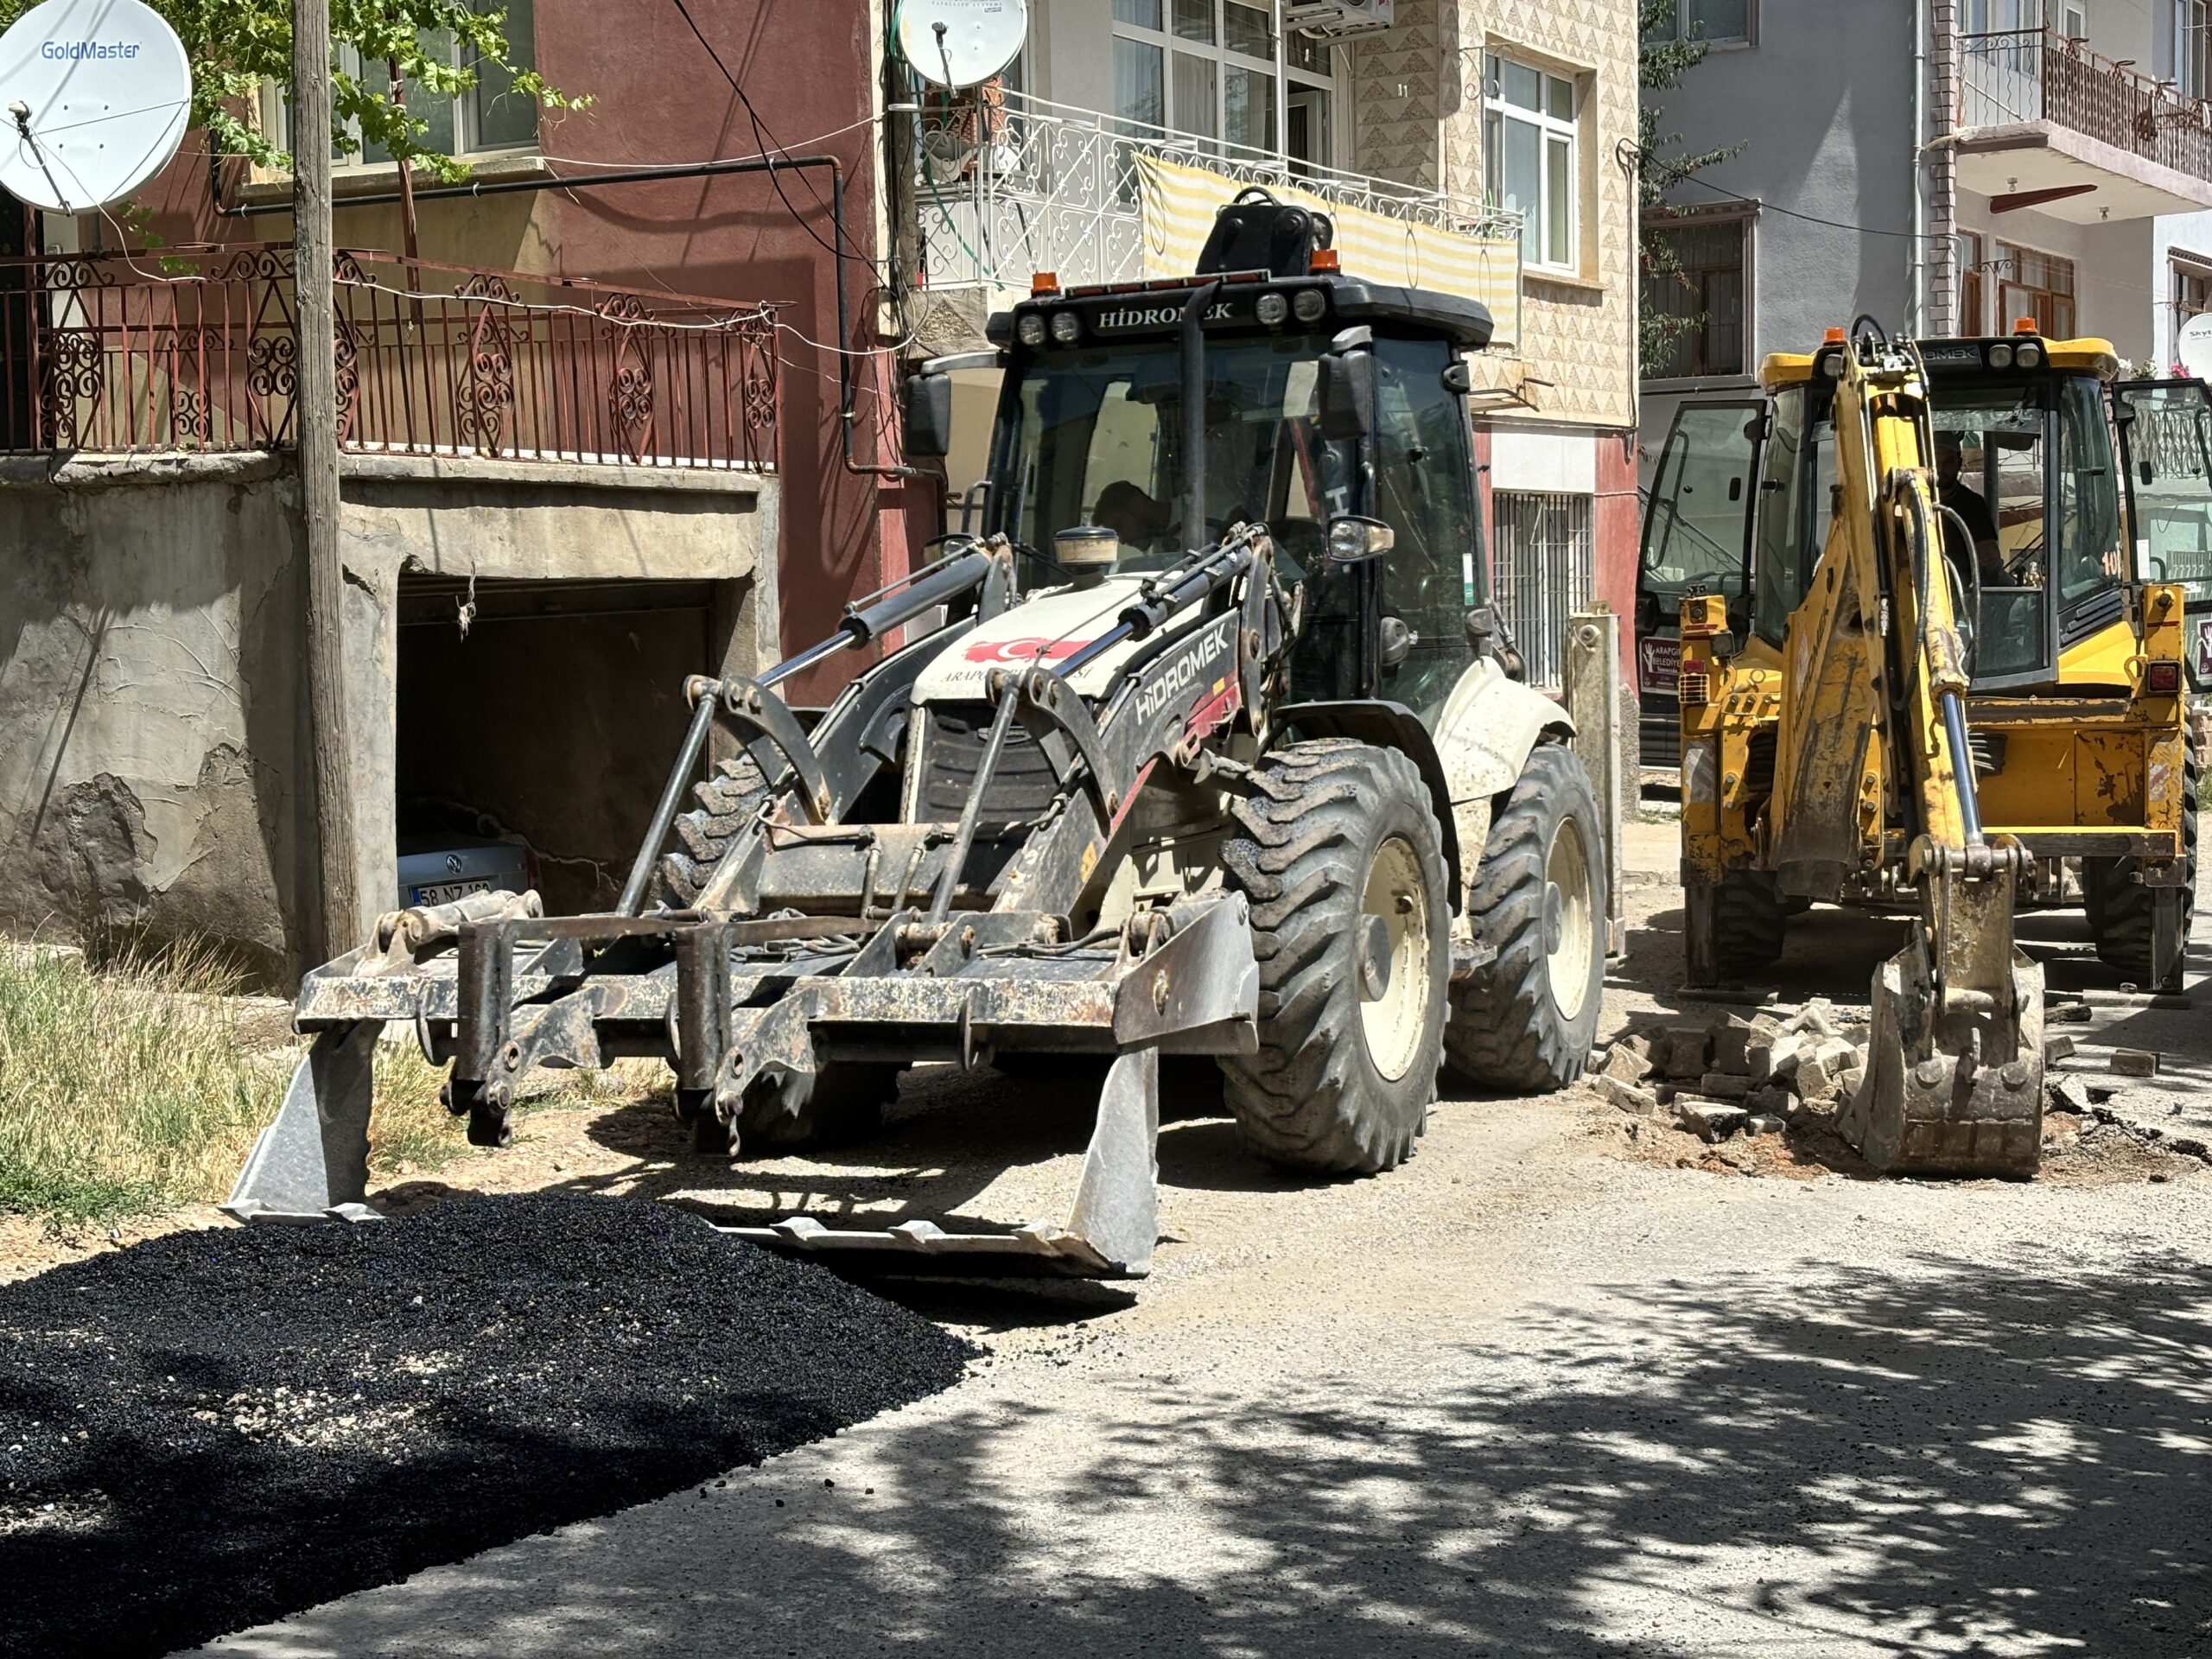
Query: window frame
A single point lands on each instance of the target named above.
(1551, 130)
(277, 114)
(2008, 257)
(1680, 29)
(1219, 53)
(1741, 221)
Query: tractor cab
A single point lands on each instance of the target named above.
(2042, 465)
(1326, 407)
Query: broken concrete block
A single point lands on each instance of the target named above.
(2135, 1062)
(2068, 1014)
(2057, 1048)
(2068, 1095)
(1817, 1016)
(1714, 1120)
(1624, 1065)
(1813, 1080)
(1850, 1081)
(1688, 1049)
(1636, 1103)
(1763, 1123)
(1636, 1043)
(1731, 1034)
(1724, 1085)
(1775, 1060)
(1769, 1100)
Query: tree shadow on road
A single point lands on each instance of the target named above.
(1950, 1458)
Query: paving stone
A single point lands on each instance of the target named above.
(1724, 1085)
(1635, 1101)
(2057, 1048)
(1688, 1048)
(1714, 1120)
(2135, 1062)
(1764, 1123)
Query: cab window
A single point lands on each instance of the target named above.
(1797, 476)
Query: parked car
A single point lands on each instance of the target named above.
(436, 869)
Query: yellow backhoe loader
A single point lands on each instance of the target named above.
(1938, 688)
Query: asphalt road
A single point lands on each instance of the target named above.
(1530, 1394)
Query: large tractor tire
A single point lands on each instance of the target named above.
(1337, 851)
(1733, 928)
(2123, 913)
(1525, 1021)
(727, 802)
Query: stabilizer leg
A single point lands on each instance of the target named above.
(1116, 1211)
(313, 1162)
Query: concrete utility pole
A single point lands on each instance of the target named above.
(315, 424)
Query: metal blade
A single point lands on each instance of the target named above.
(313, 1162)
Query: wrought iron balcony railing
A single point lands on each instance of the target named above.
(194, 350)
(2038, 74)
(1004, 190)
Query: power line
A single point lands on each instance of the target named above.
(1815, 218)
(766, 140)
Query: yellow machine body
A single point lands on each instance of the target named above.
(1872, 719)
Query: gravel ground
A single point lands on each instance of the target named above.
(216, 1428)
(1545, 1390)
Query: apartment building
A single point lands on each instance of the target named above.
(1495, 125)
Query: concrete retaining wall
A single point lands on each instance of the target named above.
(153, 739)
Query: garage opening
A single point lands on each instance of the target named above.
(537, 721)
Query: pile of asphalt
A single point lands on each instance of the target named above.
(212, 1429)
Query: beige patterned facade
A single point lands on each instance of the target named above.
(1417, 118)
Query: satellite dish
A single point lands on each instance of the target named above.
(955, 42)
(2193, 345)
(93, 98)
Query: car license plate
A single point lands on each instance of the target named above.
(444, 893)
(1661, 661)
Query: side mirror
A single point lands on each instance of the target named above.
(1345, 394)
(1355, 540)
(1397, 641)
(1458, 378)
(927, 406)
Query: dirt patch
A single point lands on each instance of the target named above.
(211, 1429)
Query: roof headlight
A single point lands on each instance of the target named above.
(1271, 309)
(2000, 355)
(1030, 331)
(1067, 328)
(1311, 305)
(2028, 355)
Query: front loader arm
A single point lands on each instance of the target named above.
(1955, 1081)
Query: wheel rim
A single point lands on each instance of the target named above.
(1392, 1018)
(1568, 911)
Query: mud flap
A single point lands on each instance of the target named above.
(313, 1162)
(1109, 1233)
(1950, 1093)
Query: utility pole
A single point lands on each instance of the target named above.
(315, 416)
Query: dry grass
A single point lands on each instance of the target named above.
(135, 1086)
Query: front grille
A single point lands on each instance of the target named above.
(1022, 784)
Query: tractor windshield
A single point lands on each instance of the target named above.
(1098, 439)
(2026, 471)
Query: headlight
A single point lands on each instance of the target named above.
(1311, 305)
(1271, 309)
(1030, 331)
(1067, 328)
(2000, 357)
(2029, 355)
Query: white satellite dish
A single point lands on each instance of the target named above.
(93, 98)
(2193, 345)
(957, 42)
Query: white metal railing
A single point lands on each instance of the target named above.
(1003, 191)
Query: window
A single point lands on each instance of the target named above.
(1974, 298)
(1529, 157)
(1206, 68)
(2039, 285)
(2192, 292)
(489, 116)
(1707, 20)
(1543, 577)
(2074, 19)
(1705, 291)
(2192, 19)
(1999, 16)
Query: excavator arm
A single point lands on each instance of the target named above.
(1875, 767)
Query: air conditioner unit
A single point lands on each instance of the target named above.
(1338, 20)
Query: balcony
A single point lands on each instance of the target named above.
(1002, 191)
(193, 350)
(2039, 113)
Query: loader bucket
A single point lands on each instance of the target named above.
(1953, 1090)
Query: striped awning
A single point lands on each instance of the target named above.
(1178, 203)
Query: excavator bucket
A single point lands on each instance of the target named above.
(1954, 1082)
